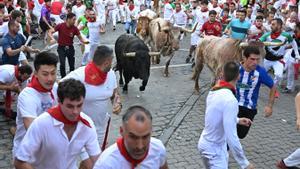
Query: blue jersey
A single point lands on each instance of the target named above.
(248, 86)
(239, 29)
(13, 43)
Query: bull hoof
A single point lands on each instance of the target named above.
(187, 60)
(166, 74)
(142, 88)
(197, 92)
(157, 61)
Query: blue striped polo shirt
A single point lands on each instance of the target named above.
(239, 29)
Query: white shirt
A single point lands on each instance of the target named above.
(267, 26)
(217, 9)
(78, 11)
(168, 12)
(31, 104)
(180, 18)
(220, 125)
(46, 145)
(97, 103)
(7, 74)
(37, 6)
(111, 158)
(112, 4)
(4, 29)
(200, 17)
(100, 6)
(94, 28)
(128, 13)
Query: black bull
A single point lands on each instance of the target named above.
(133, 60)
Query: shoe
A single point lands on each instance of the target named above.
(277, 94)
(114, 28)
(280, 165)
(286, 90)
(187, 60)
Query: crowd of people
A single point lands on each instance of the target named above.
(63, 121)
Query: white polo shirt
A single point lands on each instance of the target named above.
(97, 104)
(111, 158)
(78, 11)
(46, 145)
(31, 103)
(94, 31)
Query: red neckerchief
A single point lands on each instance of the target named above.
(221, 84)
(56, 113)
(91, 19)
(41, 1)
(224, 18)
(275, 35)
(121, 2)
(131, 7)
(204, 10)
(297, 35)
(126, 155)
(48, 7)
(93, 75)
(78, 5)
(34, 83)
(215, 6)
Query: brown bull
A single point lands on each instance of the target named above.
(144, 20)
(216, 51)
(164, 38)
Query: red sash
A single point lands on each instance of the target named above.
(93, 75)
(221, 84)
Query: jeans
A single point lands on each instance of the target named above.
(63, 52)
(131, 25)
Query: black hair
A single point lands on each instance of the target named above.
(278, 20)
(47, 0)
(11, 23)
(242, 11)
(225, 10)
(15, 14)
(71, 89)
(45, 58)
(231, 71)
(101, 54)
(2, 5)
(204, 2)
(25, 69)
(212, 12)
(139, 111)
(251, 50)
(259, 17)
(70, 15)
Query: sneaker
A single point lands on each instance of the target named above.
(280, 165)
(286, 90)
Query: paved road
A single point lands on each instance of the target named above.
(178, 116)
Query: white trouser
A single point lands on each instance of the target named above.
(289, 66)
(114, 15)
(37, 13)
(100, 136)
(122, 10)
(195, 38)
(93, 47)
(277, 67)
(85, 55)
(102, 17)
(293, 159)
(214, 156)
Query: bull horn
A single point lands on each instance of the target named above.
(129, 54)
(190, 30)
(154, 53)
(273, 43)
(244, 44)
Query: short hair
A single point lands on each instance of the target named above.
(47, 0)
(11, 23)
(15, 14)
(251, 50)
(69, 6)
(225, 10)
(242, 11)
(212, 12)
(259, 17)
(204, 2)
(230, 71)
(70, 15)
(133, 110)
(45, 58)
(260, 11)
(25, 69)
(271, 12)
(278, 20)
(89, 9)
(101, 54)
(71, 89)
(2, 5)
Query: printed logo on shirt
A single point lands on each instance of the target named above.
(243, 86)
(45, 106)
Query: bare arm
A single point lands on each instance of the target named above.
(94, 158)
(45, 20)
(13, 87)
(82, 40)
(27, 121)
(22, 164)
(297, 103)
(269, 106)
(13, 52)
(116, 101)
